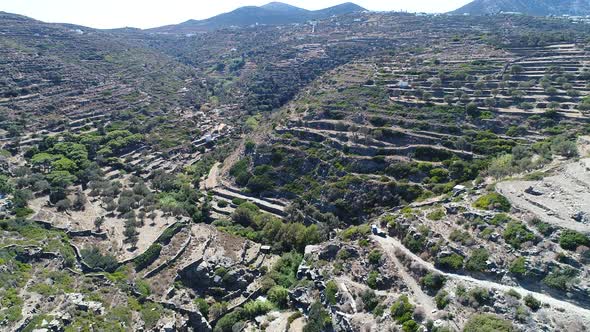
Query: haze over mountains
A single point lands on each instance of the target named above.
(274, 13)
(529, 7)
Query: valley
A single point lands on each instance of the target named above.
(331, 170)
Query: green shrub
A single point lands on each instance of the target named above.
(532, 303)
(516, 234)
(410, 326)
(487, 323)
(285, 269)
(414, 244)
(238, 201)
(256, 308)
(543, 227)
(370, 300)
(479, 296)
(226, 322)
(477, 262)
(355, 232)
(96, 260)
(372, 279)
(452, 262)
(10, 306)
(279, 295)
(515, 294)
(293, 317)
(500, 219)
(203, 307)
(442, 299)
(462, 237)
(169, 232)
(148, 257)
(402, 310)
(260, 183)
(318, 319)
(432, 281)
(241, 172)
(375, 257)
(331, 292)
(492, 201)
(150, 314)
(343, 254)
(143, 288)
(571, 240)
(436, 215)
(561, 279)
(518, 266)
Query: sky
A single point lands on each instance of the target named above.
(143, 14)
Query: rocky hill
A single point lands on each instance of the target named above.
(274, 13)
(529, 7)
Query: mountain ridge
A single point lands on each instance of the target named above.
(529, 7)
(273, 13)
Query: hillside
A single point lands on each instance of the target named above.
(529, 7)
(361, 172)
(274, 13)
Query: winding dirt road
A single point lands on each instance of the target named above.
(391, 245)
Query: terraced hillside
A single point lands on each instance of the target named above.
(360, 172)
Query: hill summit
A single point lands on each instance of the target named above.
(529, 7)
(274, 13)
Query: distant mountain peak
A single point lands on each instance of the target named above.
(273, 13)
(281, 6)
(529, 7)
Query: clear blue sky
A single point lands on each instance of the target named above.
(153, 13)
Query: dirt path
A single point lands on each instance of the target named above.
(212, 179)
(390, 245)
(418, 295)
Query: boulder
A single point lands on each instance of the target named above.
(329, 252)
(302, 297)
(581, 217)
(534, 191)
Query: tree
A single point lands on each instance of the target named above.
(42, 161)
(61, 178)
(516, 69)
(245, 214)
(5, 185)
(79, 201)
(63, 205)
(64, 164)
(98, 222)
(56, 194)
(472, 109)
(130, 232)
(94, 258)
(560, 145)
(449, 99)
